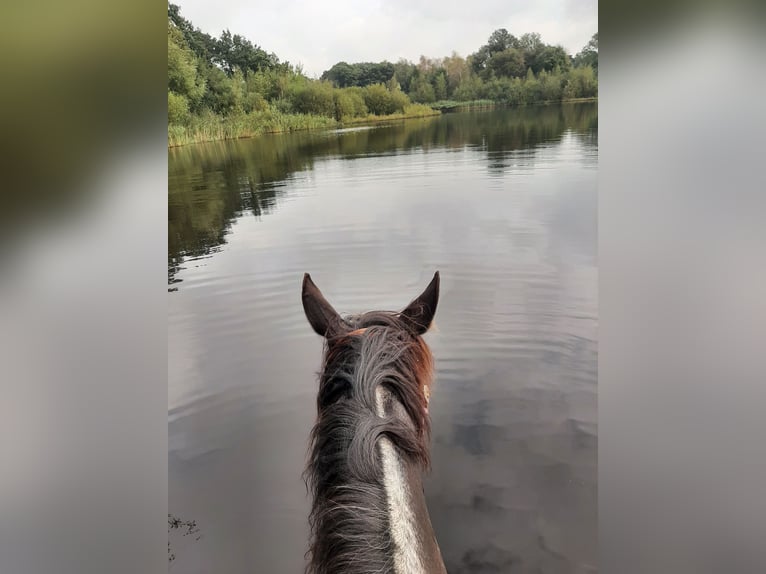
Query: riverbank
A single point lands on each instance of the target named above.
(454, 106)
(211, 127)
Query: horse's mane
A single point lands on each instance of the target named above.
(349, 516)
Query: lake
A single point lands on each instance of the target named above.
(504, 204)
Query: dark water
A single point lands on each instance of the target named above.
(503, 203)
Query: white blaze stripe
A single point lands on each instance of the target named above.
(401, 518)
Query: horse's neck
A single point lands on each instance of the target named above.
(415, 548)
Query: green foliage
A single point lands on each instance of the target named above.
(209, 126)
(422, 91)
(500, 40)
(314, 98)
(457, 70)
(581, 83)
(228, 87)
(440, 86)
(404, 72)
(505, 55)
(588, 56)
(360, 74)
(552, 57)
(469, 88)
(454, 105)
(497, 90)
(237, 53)
(183, 76)
(201, 44)
(349, 103)
(178, 108)
(541, 70)
(531, 91)
(220, 96)
(550, 85)
(380, 101)
(516, 93)
(508, 64)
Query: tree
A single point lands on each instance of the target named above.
(341, 74)
(588, 56)
(440, 86)
(551, 57)
(315, 98)
(183, 71)
(479, 60)
(532, 45)
(404, 72)
(456, 69)
(582, 83)
(380, 101)
(508, 64)
(422, 91)
(235, 52)
(203, 45)
(220, 95)
(469, 89)
(500, 40)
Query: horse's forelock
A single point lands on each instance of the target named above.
(344, 471)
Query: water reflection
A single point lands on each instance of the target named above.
(503, 203)
(210, 185)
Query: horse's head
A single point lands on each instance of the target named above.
(371, 438)
(385, 335)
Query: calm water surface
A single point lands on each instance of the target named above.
(503, 203)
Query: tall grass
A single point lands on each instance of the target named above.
(212, 127)
(410, 111)
(453, 104)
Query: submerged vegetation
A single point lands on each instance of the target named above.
(228, 87)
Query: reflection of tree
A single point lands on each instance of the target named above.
(210, 185)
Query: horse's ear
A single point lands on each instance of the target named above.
(323, 318)
(420, 313)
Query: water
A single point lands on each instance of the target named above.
(503, 203)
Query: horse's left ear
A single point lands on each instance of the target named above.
(420, 313)
(324, 319)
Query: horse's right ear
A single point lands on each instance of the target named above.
(323, 318)
(420, 313)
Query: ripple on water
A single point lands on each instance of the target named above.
(502, 204)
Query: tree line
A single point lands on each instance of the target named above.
(229, 87)
(231, 76)
(507, 69)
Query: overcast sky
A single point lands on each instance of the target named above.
(321, 33)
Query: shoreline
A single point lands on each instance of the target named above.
(451, 106)
(299, 122)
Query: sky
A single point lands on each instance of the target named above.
(321, 33)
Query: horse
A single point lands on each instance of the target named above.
(370, 444)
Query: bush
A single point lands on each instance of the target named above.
(381, 102)
(254, 102)
(498, 90)
(221, 96)
(581, 83)
(422, 91)
(314, 98)
(550, 86)
(400, 101)
(349, 104)
(178, 109)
